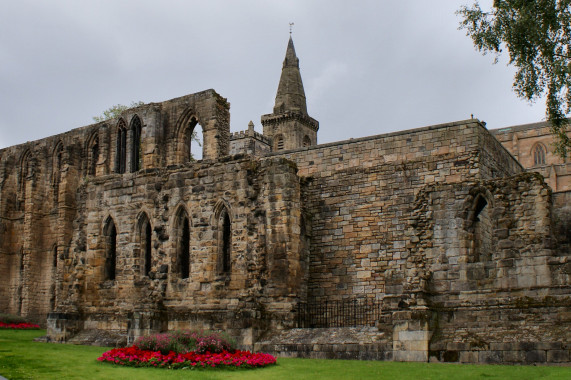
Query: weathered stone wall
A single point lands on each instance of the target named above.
(433, 222)
(114, 227)
(360, 192)
(264, 277)
(40, 181)
(500, 303)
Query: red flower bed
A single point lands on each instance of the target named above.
(18, 326)
(135, 357)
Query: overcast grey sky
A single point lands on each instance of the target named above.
(368, 67)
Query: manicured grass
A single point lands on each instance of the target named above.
(21, 358)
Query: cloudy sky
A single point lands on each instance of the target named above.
(368, 67)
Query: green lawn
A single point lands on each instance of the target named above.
(21, 358)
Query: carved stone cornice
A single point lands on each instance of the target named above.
(273, 119)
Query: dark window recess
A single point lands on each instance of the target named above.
(111, 252)
(121, 152)
(136, 146)
(148, 248)
(226, 244)
(184, 249)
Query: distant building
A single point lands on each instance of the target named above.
(532, 146)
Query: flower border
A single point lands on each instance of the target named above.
(135, 357)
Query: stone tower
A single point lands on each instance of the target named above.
(289, 126)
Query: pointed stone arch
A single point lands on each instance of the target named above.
(538, 152)
(121, 146)
(143, 234)
(479, 223)
(181, 229)
(110, 249)
(186, 132)
(211, 112)
(25, 174)
(92, 152)
(136, 146)
(26, 165)
(223, 229)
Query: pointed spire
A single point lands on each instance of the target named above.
(290, 96)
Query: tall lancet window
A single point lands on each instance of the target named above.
(110, 234)
(145, 243)
(482, 229)
(183, 243)
(539, 155)
(121, 149)
(225, 242)
(93, 155)
(136, 147)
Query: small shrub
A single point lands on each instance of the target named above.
(9, 318)
(182, 342)
(14, 322)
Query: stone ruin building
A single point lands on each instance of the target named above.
(429, 244)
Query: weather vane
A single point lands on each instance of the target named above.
(290, 27)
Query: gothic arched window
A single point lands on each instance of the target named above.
(539, 154)
(121, 151)
(183, 243)
(93, 155)
(192, 144)
(136, 147)
(482, 229)
(110, 234)
(145, 243)
(224, 242)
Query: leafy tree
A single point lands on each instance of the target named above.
(537, 37)
(115, 111)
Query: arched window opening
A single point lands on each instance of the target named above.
(26, 169)
(539, 155)
(136, 146)
(183, 246)
(110, 234)
(225, 256)
(93, 156)
(25, 174)
(279, 144)
(306, 141)
(57, 166)
(145, 237)
(482, 227)
(121, 151)
(193, 139)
